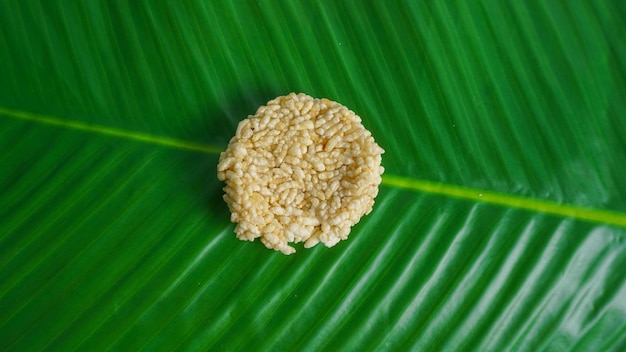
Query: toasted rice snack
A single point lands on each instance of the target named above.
(300, 170)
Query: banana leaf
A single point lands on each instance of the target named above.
(500, 224)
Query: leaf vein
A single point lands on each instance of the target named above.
(448, 190)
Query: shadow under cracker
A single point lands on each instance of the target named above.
(222, 119)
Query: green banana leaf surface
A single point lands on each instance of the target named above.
(500, 224)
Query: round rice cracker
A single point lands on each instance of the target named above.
(300, 170)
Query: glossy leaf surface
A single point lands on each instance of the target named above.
(500, 224)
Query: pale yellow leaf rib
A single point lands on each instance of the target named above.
(408, 183)
(110, 131)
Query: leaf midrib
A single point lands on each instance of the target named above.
(396, 181)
